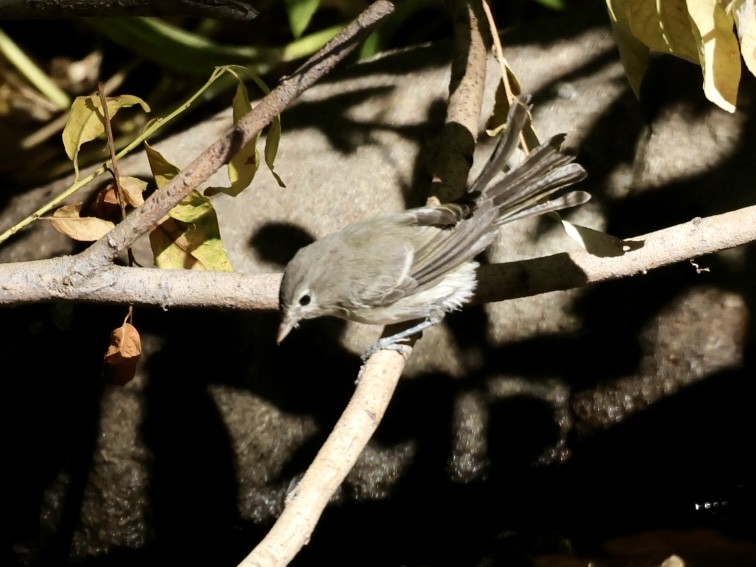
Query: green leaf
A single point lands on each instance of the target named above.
(86, 121)
(552, 4)
(16, 56)
(180, 50)
(309, 44)
(244, 164)
(300, 13)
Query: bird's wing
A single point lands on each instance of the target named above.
(419, 245)
(456, 238)
(384, 275)
(441, 248)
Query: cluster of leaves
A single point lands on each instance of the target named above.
(711, 33)
(189, 236)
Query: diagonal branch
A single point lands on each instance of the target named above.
(466, 88)
(339, 453)
(214, 157)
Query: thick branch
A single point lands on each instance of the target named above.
(50, 280)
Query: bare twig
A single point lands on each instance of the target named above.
(111, 149)
(143, 219)
(240, 10)
(466, 88)
(336, 458)
(499, 51)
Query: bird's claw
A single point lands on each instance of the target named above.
(388, 343)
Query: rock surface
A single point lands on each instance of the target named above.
(593, 412)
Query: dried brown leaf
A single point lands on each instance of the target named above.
(123, 354)
(68, 220)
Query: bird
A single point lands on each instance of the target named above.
(419, 264)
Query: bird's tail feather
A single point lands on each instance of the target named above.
(523, 190)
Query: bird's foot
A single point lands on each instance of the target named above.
(388, 343)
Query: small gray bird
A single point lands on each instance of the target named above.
(418, 264)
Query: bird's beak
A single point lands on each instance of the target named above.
(283, 329)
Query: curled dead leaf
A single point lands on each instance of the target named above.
(105, 205)
(123, 354)
(68, 220)
(133, 187)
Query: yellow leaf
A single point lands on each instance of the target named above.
(133, 188)
(718, 51)
(745, 21)
(86, 121)
(662, 25)
(190, 237)
(170, 249)
(497, 122)
(633, 52)
(243, 166)
(192, 209)
(161, 168)
(68, 220)
(273, 136)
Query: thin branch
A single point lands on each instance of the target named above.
(466, 88)
(111, 148)
(147, 216)
(49, 280)
(238, 10)
(679, 243)
(499, 51)
(333, 462)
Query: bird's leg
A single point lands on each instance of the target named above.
(393, 342)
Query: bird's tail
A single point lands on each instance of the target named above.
(525, 190)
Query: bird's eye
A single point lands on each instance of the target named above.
(305, 299)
